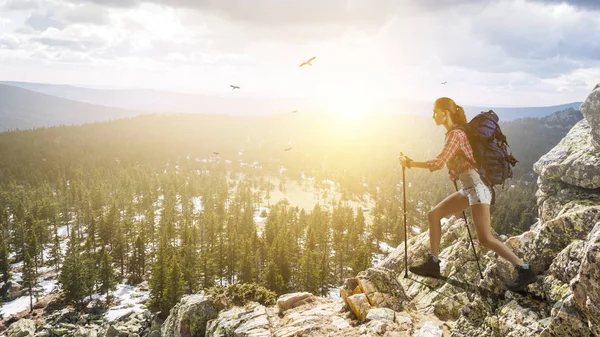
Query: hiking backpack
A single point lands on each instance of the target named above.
(493, 158)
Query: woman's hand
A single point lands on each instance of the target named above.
(404, 160)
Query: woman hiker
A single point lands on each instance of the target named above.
(458, 156)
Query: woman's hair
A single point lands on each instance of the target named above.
(457, 113)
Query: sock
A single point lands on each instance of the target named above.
(435, 258)
(524, 266)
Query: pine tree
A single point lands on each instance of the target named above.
(158, 279)
(55, 251)
(174, 288)
(189, 262)
(4, 257)
(29, 278)
(91, 263)
(119, 245)
(73, 273)
(108, 279)
(137, 261)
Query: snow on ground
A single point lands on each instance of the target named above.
(63, 231)
(385, 248)
(257, 217)
(377, 258)
(334, 294)
(15, 306)
(17, 277)
(22, 303)
(328, 182)
(197, 201)
(48, 286)
(44, 270)
(305, 177)
(16, 265)
(130, 299)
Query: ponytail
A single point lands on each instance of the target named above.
(457, 113)
(459, 116)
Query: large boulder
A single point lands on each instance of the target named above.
(586, 285)
(251, 320)
(360, 306)
(289, 301)
(382, 288)
(574, 160)
(591, 111)
(22, 328)
(188, 318)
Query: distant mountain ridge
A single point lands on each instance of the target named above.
(26, 109)
(162, 101)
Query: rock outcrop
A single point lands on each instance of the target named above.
(563, 247)
(189, 317)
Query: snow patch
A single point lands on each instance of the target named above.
(130, 299)
(334, 294)
(257, 217)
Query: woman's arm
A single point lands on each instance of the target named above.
(450, 148)
(405, 161)
(418, 164)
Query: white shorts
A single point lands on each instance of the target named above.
(474, 189)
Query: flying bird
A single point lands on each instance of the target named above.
(444, 82)
(307, 62)
(217, 153)
(294, 111)
(233, 87)
(289, 148)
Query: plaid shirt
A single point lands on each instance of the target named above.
(456, 139)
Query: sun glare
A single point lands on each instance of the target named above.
(351, 108)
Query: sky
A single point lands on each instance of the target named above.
(490, 52)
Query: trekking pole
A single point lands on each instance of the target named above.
(470, 237)
(405, 239)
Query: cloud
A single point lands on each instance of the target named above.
(548, 42)
(91, 14)
(59, 15)
(582, 4)
(504, 37)
(41, 22)
(9, 42)
(21, 4)
(500, 45)
(109, 3)
(79, 44)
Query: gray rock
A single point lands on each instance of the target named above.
(111, 332)
(378, 314)
(591, 111)
(189, 317)
(239, 321)
(154, 334)
(382, 289)
(429, 329)
(289, 301)
(575, 160)
(586, 285)
(21, 328)
(60, 331)
(10, 290)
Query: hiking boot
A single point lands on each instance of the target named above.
(524, 278)
(428, 268)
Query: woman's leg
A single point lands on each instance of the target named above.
(453, 204)
(481, 218)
